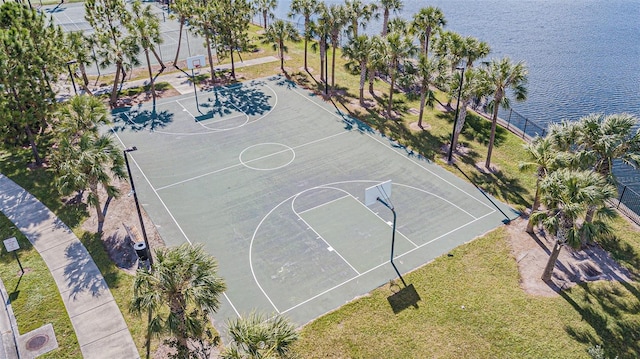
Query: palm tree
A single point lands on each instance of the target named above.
(335, 17)
(258, 337)
(146, 26)
(180, 292)
(607, 138)
(265, 7)
(427, 71)
(108, 18)
(321, 29)
(376, 60)
(502, 75)
(358, 15)
(358, 50)
(472, 86)
(279, 32)
(388, 6)
(398, 48)
(183, 10)
(424, 23)
(567, 194)
(474, 49)
(544, 158)
(399, 25)
(78, 46)
(83, 158)
(306, 8)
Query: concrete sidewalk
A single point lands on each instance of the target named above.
(95, 316)
(179, 80)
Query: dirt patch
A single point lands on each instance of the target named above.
(414, 126)
(531, 252)
(119, 212)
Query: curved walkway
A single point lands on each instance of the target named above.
(95, 316)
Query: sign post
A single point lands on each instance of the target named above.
(11, 244)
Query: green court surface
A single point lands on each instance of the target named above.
(271, 180)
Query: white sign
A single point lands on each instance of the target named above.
(11, 244)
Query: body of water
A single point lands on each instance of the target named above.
(583, 55)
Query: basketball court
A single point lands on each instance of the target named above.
(272, 181)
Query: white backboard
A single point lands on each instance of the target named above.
(194, 62)
(381, 190)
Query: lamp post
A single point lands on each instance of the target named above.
(455, 119)
(135, 198)
(69, 63)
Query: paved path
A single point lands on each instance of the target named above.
(96, 318)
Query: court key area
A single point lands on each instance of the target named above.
(271, 180)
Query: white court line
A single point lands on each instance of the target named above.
(210, 130)
(322, 205)
(232, 306)
(253, 160)
(72, 22)
(376, 267)
(165, 207)
(321, 237)
(421, 166)
(356, 199)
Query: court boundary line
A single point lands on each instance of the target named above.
(372, 269)
(349, 194)
(253, 237)
(426, 169)
(166, 208)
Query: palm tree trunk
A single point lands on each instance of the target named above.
(93, 187)
(372, 77)
(281, 50)
(548, 270)
(162, 67)
(423, 99)
(536, 205)
(151, 81)
(462, 116)
(322, 57)
(264, 15)
(83, 70)
(390, 104)
(305, 54)
(32, 144)
(116, 81)
(494, 122)
(385, 22)
(213, 77)
(333, 67)
(363, 80)
(175, 61)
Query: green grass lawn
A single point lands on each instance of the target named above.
(471, 304)
(472, 307)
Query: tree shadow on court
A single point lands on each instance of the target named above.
(140, 119)
(246, 99)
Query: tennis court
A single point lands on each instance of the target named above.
(271, 180)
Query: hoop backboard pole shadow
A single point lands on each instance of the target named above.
(382, 193)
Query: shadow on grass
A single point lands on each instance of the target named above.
(95, 246)
(404, 298)
(15, 163)
(624, 253)
(611, 312)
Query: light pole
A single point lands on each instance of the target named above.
(69, 63)
(455, 119)
(135, 198)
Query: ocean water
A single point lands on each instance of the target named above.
(583, 56)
